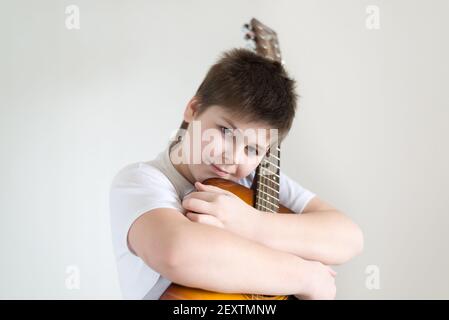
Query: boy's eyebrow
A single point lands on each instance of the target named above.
(235, 127)
(229, 122)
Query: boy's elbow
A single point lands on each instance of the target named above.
(360, 241)
(356, 241)
(355, 245)
(352, 247)
(170, 257)
(176, 259)
(167, 257)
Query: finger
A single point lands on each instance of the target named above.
(205, 219)
(202, 195)
(207, 187)
(197, 205)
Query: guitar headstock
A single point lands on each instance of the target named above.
(262, 40)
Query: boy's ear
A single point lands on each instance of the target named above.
(191, 109)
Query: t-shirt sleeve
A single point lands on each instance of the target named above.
(292, 195)
(136, 189)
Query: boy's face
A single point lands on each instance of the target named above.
(221, 145)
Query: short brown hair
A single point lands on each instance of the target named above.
(252, 87)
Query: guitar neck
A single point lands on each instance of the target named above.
(266, 185)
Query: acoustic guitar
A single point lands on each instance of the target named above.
(264, 191)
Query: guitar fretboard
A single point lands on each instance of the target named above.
(267, 182)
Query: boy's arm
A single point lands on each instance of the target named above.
(320, 233)
(203, 256)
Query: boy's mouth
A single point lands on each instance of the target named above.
(219, 171)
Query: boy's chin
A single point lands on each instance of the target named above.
(206, 176)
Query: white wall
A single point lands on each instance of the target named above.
(77, 105)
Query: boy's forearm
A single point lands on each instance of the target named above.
(325, 236)
(217, 260)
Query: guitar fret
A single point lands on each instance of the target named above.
(272, 155)
(270, 204)
(273, 164)
(269, 195)
(265, 177)
(272, 173)
(270, 188)
(272, 210)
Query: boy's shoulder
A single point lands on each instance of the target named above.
(140, 186)
(140, 173)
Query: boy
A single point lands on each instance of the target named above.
(168, 227)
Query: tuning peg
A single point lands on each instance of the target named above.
(251, 45)
(246, 27)
(249, 35)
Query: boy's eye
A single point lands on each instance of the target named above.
(227, 131)
(252, 150)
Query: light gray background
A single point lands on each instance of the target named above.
(77, 105)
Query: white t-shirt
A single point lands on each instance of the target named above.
(143, 186)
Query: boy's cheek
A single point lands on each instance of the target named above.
(244, 171)
(199, 172)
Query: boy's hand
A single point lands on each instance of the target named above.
(319, 282)
(221, 208)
